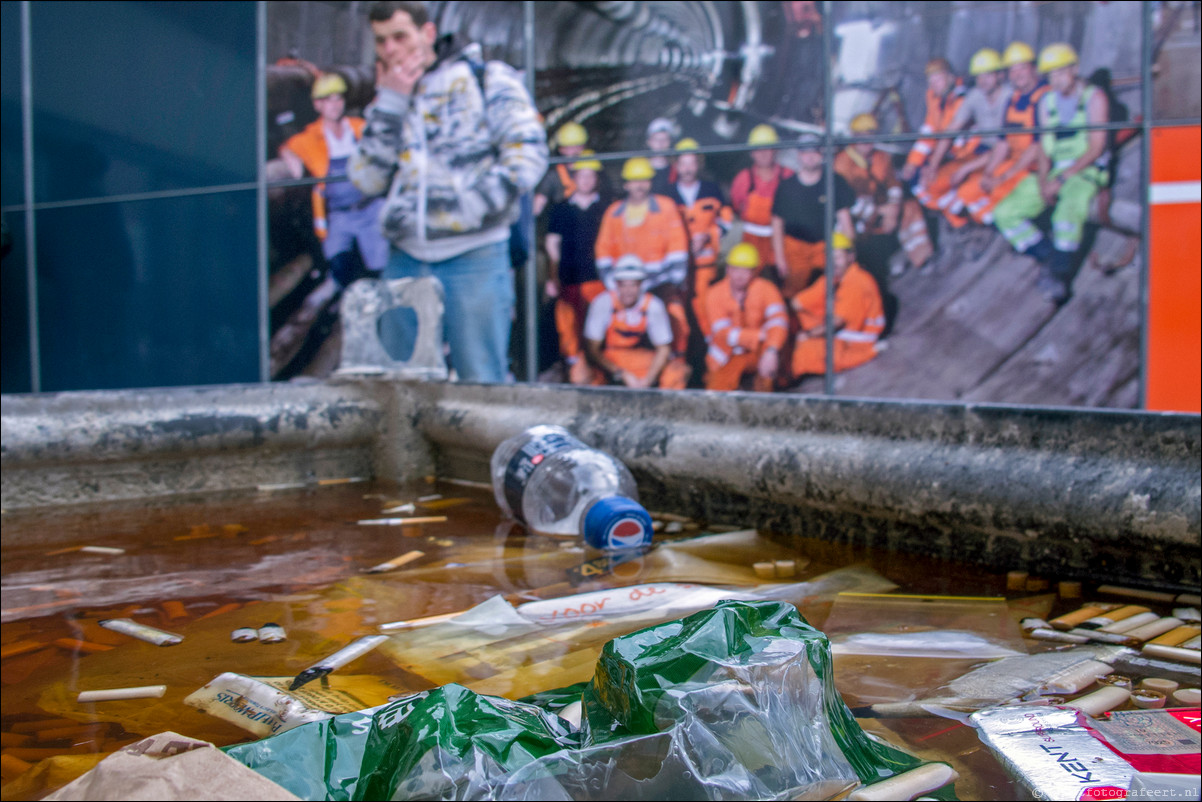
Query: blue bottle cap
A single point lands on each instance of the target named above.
(616, 523)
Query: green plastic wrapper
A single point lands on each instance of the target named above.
(735, 702)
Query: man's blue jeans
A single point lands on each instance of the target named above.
(478, 315)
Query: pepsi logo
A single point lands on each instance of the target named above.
(626, 533)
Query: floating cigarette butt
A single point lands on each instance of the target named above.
(175, 610)
(83, 646)
(66, 550)
(1154, 629)
(906, 785)
(1177, 636)
(1070, 620)
(1069, 589)
(1148, 700)
(1187, 697)
(1102, 637)
(272, 633)
(401, 508)
(1113, 616)
(1189, 614)
(222, 610)
(1056, 635)
(396, 562)
(1036, 584)
(12, 766)
(345, 481)
(1077, 676)
(8, 739)
(101, 550)
(418, 622)
(1098, 702)
(673, 528)
(1017, 580)
(1175, 653)
(1193, 643)
(281, 486)
(244, 635)
(444, 503)
(1165, 686)
(429, 519)
(432, 497)
(1030, 624)
(657, 526)
(1137, 593)
(764, 570)
(785, 568)
(20, 647)
(338, 659)
(1128, 624)
(117, 694)
(149, 634)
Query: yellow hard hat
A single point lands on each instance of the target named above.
(985, 60)
(840, 241)
(1055, 56)
(637, 169)
(743, 255)
(1017, 53)
(763, 134)
(571, 134)
(329, 84)
(688, 143)
(864, 124)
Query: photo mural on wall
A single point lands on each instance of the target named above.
(944, 302)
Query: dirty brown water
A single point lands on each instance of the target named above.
(205, 566)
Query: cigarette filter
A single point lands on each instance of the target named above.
(1113, 616)
(1175, 653)
(1134, 621)
(272, 633)
(1154, 629)
(116, 694)
(907, 785)
(127, 626)
(1070, 620)
(244, 635)
(1177, 636)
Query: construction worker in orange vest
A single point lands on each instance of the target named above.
(858, 322)
(628, 334)
(570, 242)
(749, 325)
(984, 109)
(706, 217)
(880, 207)
(1009, 161)
(343, 218)
(650, 227)
(799, 217)
(945, 93)
(753, 188)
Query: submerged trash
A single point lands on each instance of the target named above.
(127, 626)
(338, 659)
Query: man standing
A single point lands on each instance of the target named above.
(1071, 166)
(706, 218)
(629, 336)
(454, 143)
(859, 317)
(750, 325)
(648, 226)
(342, 217)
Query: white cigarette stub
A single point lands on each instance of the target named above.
(117, 694)
(908, 784)
(1076, 677)
(127, 626)
(1098, 702)
(102, 550)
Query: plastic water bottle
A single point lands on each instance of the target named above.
(558, 486)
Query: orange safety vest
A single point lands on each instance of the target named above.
(737, 328)
(1020, 113)
(310, 146)
(857, 304)
(711, 215)
(565, 178)
(872, 177)
(940, 111)
(752, 199)
(622, 331)
(660, 240)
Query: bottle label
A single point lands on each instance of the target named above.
(529, 457)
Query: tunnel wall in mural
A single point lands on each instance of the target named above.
(989, 163)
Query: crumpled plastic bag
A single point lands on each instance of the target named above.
(737, 701)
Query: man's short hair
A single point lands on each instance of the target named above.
(383, 10)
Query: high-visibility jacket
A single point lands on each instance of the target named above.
(659, 240)
(874, 182)
(752, 197)
(737, 328)
(858, 305)
(708, 214)
(1068, 140)
(310, 146)
(940, 111)
(628, 327)
(1020, 115)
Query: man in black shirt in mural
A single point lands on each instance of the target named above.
(799, 218)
